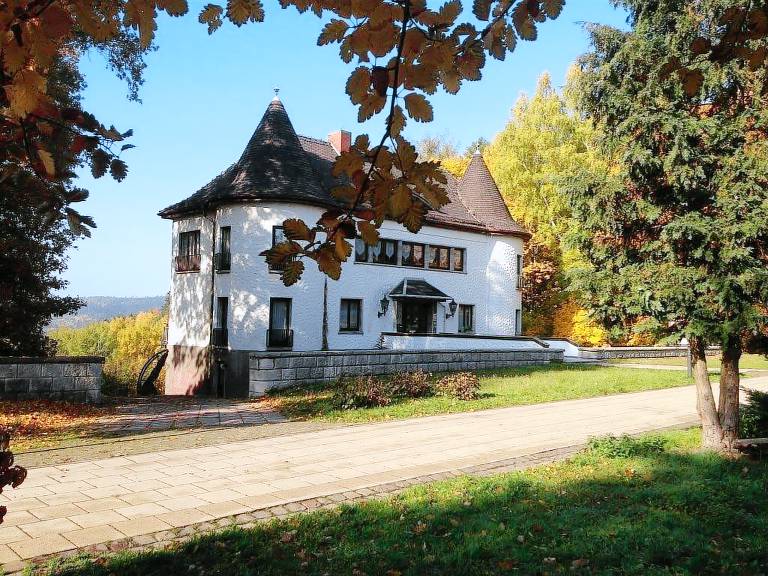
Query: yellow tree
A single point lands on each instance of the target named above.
(544, 144)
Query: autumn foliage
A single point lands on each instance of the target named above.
(126, 342)
(10, 474)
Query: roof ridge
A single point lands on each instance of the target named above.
(320, 140)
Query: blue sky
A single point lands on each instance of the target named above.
(204, 95)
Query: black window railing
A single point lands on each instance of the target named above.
(220, 337)
(279, 338)
(222, 261)
(188, 263)
(520, 281)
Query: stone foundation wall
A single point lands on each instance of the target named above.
(638, 352)
(283, 369)
(74, 378)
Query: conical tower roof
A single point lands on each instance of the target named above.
(273, 166)
(478, 192)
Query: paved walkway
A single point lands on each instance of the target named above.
(77, 505)
(161, 413)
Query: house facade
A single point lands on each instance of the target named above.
(454, 285)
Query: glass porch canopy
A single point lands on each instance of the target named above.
(416, 288)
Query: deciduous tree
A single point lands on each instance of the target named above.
(677, 235)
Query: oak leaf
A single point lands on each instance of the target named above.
(327, 263)
(241, 11)
(174, 7)
(296, 229)
(211, 15)
(358, 83)
(418, 107)
(118, 169)
(47, 160)
(334, 31)
(368, 232)
(292, 271)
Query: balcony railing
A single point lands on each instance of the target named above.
(220, 337)
(188, 263)
(222, 261)
(279, 338)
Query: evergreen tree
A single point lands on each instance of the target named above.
(676, 233)
(32, 258)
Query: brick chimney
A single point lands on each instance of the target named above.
(341, 140)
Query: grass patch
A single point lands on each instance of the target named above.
(662, 511)
(498, 389)
(749, 361)
(36, 424)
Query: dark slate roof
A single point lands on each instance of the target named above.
(278, 164)
(417, 288)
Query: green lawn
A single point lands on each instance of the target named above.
(500, 388)
(676, 511)
(750, 361)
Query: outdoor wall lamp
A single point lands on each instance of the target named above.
(452, 306)
(383, 306)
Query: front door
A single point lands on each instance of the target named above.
(416, 316)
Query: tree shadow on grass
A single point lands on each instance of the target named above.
(659, 513)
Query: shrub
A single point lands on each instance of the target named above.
(411, 384)
(754, 415)
(625, 446)
(361, 392)
(461, 385)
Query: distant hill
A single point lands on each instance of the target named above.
(105, 307)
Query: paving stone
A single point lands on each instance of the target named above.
(7, 556)
(93, 535)
(56, 511)
(101, 518)
(148, 509)
(11, 534)
(47, 544)
(46, 527)
(184, 517)
(140, 526)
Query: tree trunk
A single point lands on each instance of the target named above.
(728, 407)
(711, 431)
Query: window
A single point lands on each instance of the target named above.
(361, 250)
(385, 252)
(413, 254)
(349, 315)
(440, 257)
(220, 331)
(458, 259)
(222, 310)
(223, 258)
(279, 334)
(466, 318)
(518, 322)
(278, 236)
(519, 272)
(189, 243)
(188, 258)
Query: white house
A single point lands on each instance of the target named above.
(454, 285)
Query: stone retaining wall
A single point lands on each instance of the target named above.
(283, 369)
(74, 378)
(638, 352)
